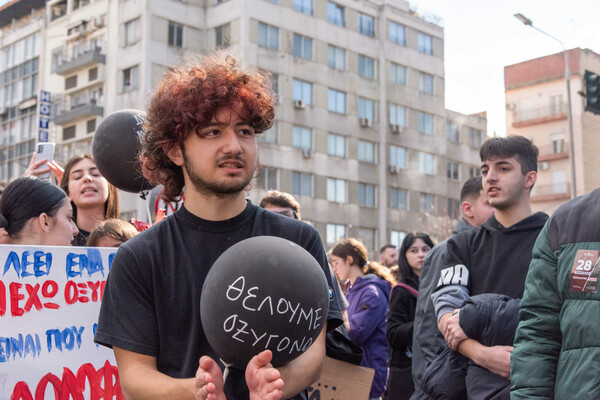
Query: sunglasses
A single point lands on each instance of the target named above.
(287, 213)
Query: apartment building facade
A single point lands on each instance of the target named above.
(361, 135)
(536, 107)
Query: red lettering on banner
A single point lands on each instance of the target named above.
(101, 383)
(2, 299)
(49, 290)
(33, 299)
(84, 292)
(15, 297)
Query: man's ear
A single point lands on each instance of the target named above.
(530, 179)
(467, 209)
(44, 221)
(176, 155)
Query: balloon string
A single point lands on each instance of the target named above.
(226, 371)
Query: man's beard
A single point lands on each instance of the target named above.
(215, 188)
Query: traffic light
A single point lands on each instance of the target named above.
(592, 92)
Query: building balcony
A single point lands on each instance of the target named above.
(555, 151)
(78, 112)
(80, 61)
(552, 192)
(526, 117)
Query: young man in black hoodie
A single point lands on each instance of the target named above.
(493, 258)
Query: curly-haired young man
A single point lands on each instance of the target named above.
(201, 132)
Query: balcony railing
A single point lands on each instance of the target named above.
(533, 115)
(81, 60)
(553, 151)
(79, 111)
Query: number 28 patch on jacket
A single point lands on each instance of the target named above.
(585, 271)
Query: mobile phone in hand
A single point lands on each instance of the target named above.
(44, 150)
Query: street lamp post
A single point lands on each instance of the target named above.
(528, 22)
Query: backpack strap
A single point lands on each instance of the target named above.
(410, 289)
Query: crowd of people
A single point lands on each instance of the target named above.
(432, 321)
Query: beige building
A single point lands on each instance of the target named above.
(536, 107)
(361, 138)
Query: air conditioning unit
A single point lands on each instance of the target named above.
(365, 122)
(307, 153)
(299, 103)
(99, 22)
(396, 128)
(394, 169)
(542, 166)
(510, 106)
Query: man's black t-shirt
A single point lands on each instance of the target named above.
(151, 303)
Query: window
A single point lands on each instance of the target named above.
(130, 79)
(557, 141)
(302, 47)
(396, 238)
(474, 172)
(71, 82)
(91, 125)
(398, 156)
(175, 34)
(335, 233)
(453, 209)
(366, 195)
(132, 32)
(425, 83)
(93, 74)
(336, 57)
(367, 236)
(366, 25)
(267, 179)
(427, 203)
(223, 36)
(397, 115)
(453, 171)
(426, 163)
(452, 133)
(69, 132)
(336, 190)
(335, 14)
(302, 91)
(269, 136)
(426, 123)
(275, 83)
(268, 36)
(397, 33)
(301, 137)
(366, 151)
(336, 101)
(424, 43)
(336, 145)
(398, 74)
(301, 184)
(366, 67)
(304, 6)
(474, 137)
(366, 108)
(398, 199)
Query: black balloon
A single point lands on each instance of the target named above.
(116, 147)
(263, 293)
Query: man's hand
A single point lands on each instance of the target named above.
(496, 359)
(453, 333)
(263, 380)
(209, 380)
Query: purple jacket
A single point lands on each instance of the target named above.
(367, 312)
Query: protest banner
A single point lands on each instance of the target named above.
(49, 304)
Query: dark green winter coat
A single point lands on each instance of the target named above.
(557, 344)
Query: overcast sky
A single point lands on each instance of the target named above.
(483, 36)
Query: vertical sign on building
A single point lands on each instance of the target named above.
(44, 107)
